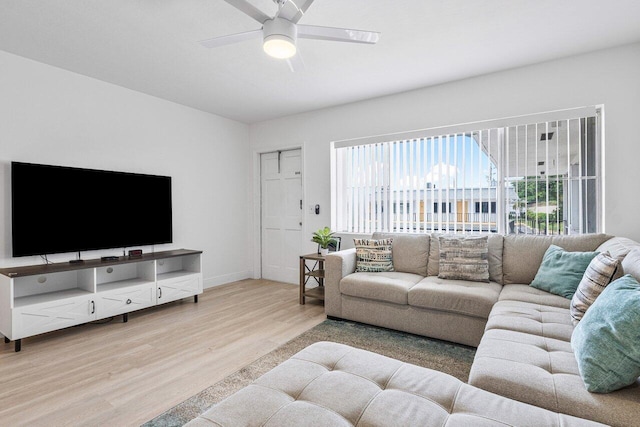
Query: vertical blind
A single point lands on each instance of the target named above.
(538, 177)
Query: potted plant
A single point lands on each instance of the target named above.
(323, 237)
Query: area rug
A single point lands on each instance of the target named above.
(442, 356)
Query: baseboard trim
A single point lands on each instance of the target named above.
(210, 282)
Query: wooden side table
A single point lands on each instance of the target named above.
(315, 271)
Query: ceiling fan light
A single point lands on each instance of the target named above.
(279, 46)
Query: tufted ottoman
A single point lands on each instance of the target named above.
(329, 384)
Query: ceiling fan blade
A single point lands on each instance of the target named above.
(337, 34)
(249, 9)
(230, 39)
(293, 11)
(296, 64)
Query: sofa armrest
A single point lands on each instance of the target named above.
(337, 265)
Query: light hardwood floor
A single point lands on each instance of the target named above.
(123, 374)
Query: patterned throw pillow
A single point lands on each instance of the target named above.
(373, 255)
(600, 272)
(464, 258)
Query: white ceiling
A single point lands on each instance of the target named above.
(151, 46)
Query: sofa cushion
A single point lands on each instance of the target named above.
(516, 267)
(455, 296)
(526, 293)
(410, 251)
(542, 371)
(523, 270)
(580, 242)
(536, 319)
(618, 247)
(606, 342)
(631, 263)
(561, 271)
(337, 385)
(391, 286)
(495, 243)
(373, 255)
(600, 272)
(464, 258)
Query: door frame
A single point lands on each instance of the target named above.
(257, 203)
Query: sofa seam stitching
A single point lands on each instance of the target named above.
(295, 399)
(278, 390)
(386, 384)
(309, 403)
(215, 423)
(533, 345)
(332, 370)
(297, 396)
(550, 364)
(455, 398)
(453, 404)
(272, 415)
(519, 362)
(366, 406)
(487, 417)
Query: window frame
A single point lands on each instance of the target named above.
(596, 111)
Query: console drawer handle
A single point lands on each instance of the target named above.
(129, 301)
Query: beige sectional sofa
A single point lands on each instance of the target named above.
(524, 372)
(523, 334)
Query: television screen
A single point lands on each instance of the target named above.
(63, 209)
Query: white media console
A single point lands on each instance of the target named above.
(43, 298)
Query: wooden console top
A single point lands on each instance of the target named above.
(31, 270)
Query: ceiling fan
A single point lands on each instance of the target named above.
(280, 32)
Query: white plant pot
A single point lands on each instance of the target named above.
(324, 251)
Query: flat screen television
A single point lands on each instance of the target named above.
(57, 209)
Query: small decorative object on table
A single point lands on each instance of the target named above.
(135, 253)
(324, 237)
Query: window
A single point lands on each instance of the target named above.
(533, 174)
(556, 178)
(445, 207)
(483, 207)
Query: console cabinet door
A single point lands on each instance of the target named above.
(179, 287)
(45, 317)
(125, 300)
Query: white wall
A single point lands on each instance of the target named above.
(52, 116)
(609, 77)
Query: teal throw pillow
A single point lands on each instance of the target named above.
(606, 342)
(561, 271)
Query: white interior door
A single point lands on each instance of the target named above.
(281, 193)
